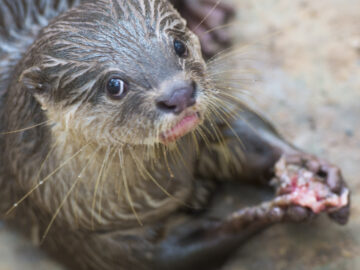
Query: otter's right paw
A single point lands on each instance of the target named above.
(297, 185)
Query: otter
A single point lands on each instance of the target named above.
(115, 135)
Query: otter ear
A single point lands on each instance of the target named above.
(33, 80)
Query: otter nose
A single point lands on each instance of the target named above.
(180, 97)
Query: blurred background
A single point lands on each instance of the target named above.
(308, 84)
(309, 68)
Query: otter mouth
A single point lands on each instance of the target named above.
(181, 128)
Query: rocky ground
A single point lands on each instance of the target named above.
(310, 87)
(308, 58)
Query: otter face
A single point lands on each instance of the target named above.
(117, 72)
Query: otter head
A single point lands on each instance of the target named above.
(118, 72)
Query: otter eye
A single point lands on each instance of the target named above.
(180, 48)
(116, 88)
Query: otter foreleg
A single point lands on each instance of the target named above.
(251, 148)
(208, 243)
(196, 243)
(203, 243)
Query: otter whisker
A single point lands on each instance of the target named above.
(229, 114)
(80, 175)
(97, 185)
(218, 134)
(196, 143)
(237, 113)
(216, 106)
(208, 15)
(227, 57)
(221, 27)
(224, 71)
(179, 154)
(104, 177)
(202, 130)
(227, 107)
(128, 195)
(233, 94)
(119, 183)
(230, 95)
(46, 159)
(139, 163)
(25, 129)
(229, 63)
(167, 162)
(78, 179)
(237, 72)
(223, 147)
(227, 53)
(154, 150)
(43, 181)
(221, 117)
(235, 84)
(235, 50)
(228, 103)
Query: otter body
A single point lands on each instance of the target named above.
(111, 127)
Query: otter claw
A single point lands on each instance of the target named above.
(334, 178)
(298, 214)
(341, 216)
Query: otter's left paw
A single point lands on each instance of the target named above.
(206, 19)
(309, 182)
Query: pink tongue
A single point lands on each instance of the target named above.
(181, 128)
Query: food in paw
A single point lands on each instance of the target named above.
(297, 185)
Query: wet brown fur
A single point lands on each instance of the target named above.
(97, 164)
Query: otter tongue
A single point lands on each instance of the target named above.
(181, 128)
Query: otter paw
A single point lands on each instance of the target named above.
(206, 19)
(306, 181)
(298, 214)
